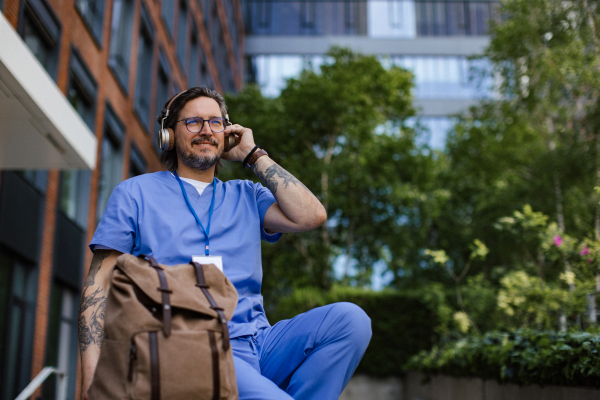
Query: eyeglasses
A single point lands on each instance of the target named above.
(195, 124)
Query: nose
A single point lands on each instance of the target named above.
(206, 128)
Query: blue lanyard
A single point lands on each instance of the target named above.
(210, 210)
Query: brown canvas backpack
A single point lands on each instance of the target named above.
(165, 333)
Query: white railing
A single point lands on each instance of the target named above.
(61, 390)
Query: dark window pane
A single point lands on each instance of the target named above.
(182, 33)
(40, 31)
(92, 13)
(82, 90)
(193, 65)
(137, 165)
(144, 70)
(15, 367)
(111, 163)
(168, 13)
(74, 195)
(121, 30)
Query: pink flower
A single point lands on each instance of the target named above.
(557, 240)
(589, 261)
(585, 251)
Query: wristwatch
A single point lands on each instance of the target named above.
(255, 156)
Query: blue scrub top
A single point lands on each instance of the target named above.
(148, 215)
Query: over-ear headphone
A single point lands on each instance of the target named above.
(166, 136)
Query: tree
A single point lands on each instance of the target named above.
(342, 131)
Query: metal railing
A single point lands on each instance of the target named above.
(61, 390)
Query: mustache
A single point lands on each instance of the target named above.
(205, 139)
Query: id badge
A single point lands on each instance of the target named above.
(217, 260)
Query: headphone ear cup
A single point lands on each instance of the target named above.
(166, 139)
(230, 143)
(171, 138)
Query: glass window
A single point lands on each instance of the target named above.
(18, 292)
(82, 90)
(62, 338)
(167, 11)
(37, 178)
(137, 165)
(439, 18)
(162, 91)
(393, 18)
(182, 33)
(74, 195)
(193, 65)
(111, 163)
(446, 77)
(92, 13)
(121, 31)
(40, 31)
(144, 70)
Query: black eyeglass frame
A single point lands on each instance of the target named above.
(225, 122)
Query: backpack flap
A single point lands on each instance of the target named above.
(182, 283)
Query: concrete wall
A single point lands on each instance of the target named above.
(446, 388)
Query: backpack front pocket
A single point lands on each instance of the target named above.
(185, 365)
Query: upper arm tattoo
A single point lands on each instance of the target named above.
(270, 174)
(91, 330)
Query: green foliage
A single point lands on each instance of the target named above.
(524, 357)
(402, 323)
(342, 132)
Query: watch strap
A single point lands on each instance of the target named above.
(255, 156)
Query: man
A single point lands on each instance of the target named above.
(186, 212)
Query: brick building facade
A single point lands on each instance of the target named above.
(116, 62)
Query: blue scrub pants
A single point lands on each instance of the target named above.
(311, 356)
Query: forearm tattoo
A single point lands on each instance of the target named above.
(269, 177)
(91, 329)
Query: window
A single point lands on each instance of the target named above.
(350, 17)
(144, 69)
(37, 178)
(40, 31)
(193, 66)
(111, 162)
(395, 14)
(18, 287)
(62, 338)
(82, 90)
(307, 15)
(182, 33)
(137, 165)
(439, 18)
(168, 14)
(74, 195)
(121, 30)
(162, 90)
(92, 13)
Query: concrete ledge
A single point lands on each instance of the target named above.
(447, 388)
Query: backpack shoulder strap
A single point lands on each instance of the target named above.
(164, 289)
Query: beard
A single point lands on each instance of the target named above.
(198, 161)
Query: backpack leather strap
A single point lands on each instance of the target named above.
(213, 304)
(166, 298)
(154, 366)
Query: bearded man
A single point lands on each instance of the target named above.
(186, 212)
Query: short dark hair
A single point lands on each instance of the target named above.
(168, 158)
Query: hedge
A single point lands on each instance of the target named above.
(402, 324)
(524, 357)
